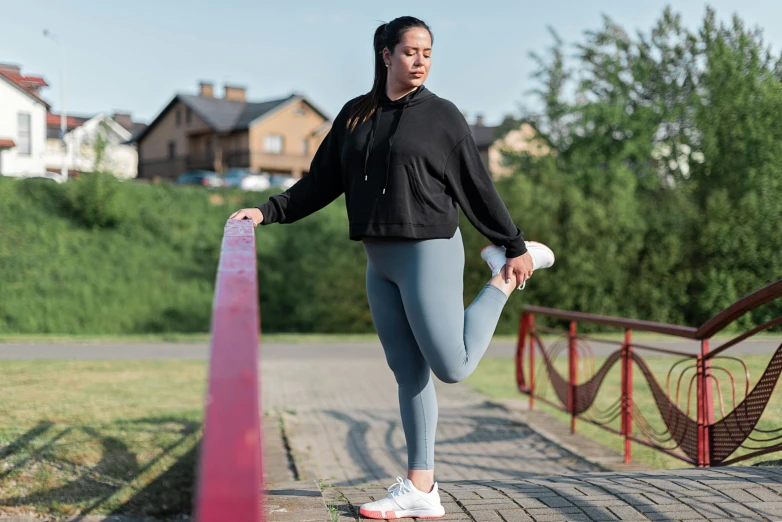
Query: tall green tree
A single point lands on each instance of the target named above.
(664, 191)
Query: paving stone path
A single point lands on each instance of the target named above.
(341, 425)
(717, 495)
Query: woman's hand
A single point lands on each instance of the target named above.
(520, 267)
(249, 213)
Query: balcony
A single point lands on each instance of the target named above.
(200, 161)
(163, 168)
(259, 160)
(294, 164)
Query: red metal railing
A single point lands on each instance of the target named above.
(230, 478)
(702, 440)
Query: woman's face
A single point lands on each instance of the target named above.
(408, 65)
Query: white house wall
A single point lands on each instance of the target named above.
(120, 160)
(12, 102)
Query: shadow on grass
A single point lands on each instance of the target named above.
(169, 494)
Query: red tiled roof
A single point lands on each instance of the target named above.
(53, 120)
(34, 81)
(19, 81)
(7, 144)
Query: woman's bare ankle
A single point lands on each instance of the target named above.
(499, 282)
(422, 479)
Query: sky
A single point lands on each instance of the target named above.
(134, 56)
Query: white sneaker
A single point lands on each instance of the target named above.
(542, 257)
(405, 501)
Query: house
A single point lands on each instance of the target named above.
(22, 123)
(205, 132)
(496, 142)
(99, 142)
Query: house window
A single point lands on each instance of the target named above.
(210, 154)
(306, 146)
(189, 116)
(171, 150)
(178, 118)
(273, 144)
(24, 147)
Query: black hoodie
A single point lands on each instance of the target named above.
(403, 172)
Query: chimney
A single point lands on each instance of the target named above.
(124, 119)
(206, 90)
(233, 93)
(479, 120)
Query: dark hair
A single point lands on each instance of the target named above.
(386, 35)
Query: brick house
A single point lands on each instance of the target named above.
(204, 132)
(494, 142)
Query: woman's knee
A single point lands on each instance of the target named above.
(451, 374)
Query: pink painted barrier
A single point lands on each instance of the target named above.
(229, 475)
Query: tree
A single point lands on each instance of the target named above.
(664, 191)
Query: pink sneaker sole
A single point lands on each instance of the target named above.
(390, 515)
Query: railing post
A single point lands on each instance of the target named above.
(699, 407)
(706, 406)
(627, 393)
(572, 377)
(520, 381)
(531, 329)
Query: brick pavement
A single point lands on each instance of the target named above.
(722, 494)
(341, 422)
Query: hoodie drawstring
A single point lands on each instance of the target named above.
(371, 140)
(391, 144)
(375, 123)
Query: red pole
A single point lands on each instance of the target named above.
(623, 417)
(699, 406)
(520, 384)
(708, 403)
(627, 416)
(531, 361)
(572, 358)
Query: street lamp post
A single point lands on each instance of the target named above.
(64, 112)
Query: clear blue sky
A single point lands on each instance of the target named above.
(134, 56)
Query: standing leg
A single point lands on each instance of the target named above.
(417, 400)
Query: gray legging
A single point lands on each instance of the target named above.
(415, 296)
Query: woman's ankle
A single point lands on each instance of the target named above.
(499, 282)
(422, 479)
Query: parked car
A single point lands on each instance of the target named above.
(206, 178)
(246, 180)
(282, 181)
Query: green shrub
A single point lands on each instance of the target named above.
(92, 200)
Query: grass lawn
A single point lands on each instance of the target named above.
(496, 378)
(182, 338)
(99, 437)
(298, 338)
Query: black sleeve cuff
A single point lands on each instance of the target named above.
(269, 213)
(515, 249)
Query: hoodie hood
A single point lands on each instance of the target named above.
(415, 97)
(411, 99)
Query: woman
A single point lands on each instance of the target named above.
(405, 158)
